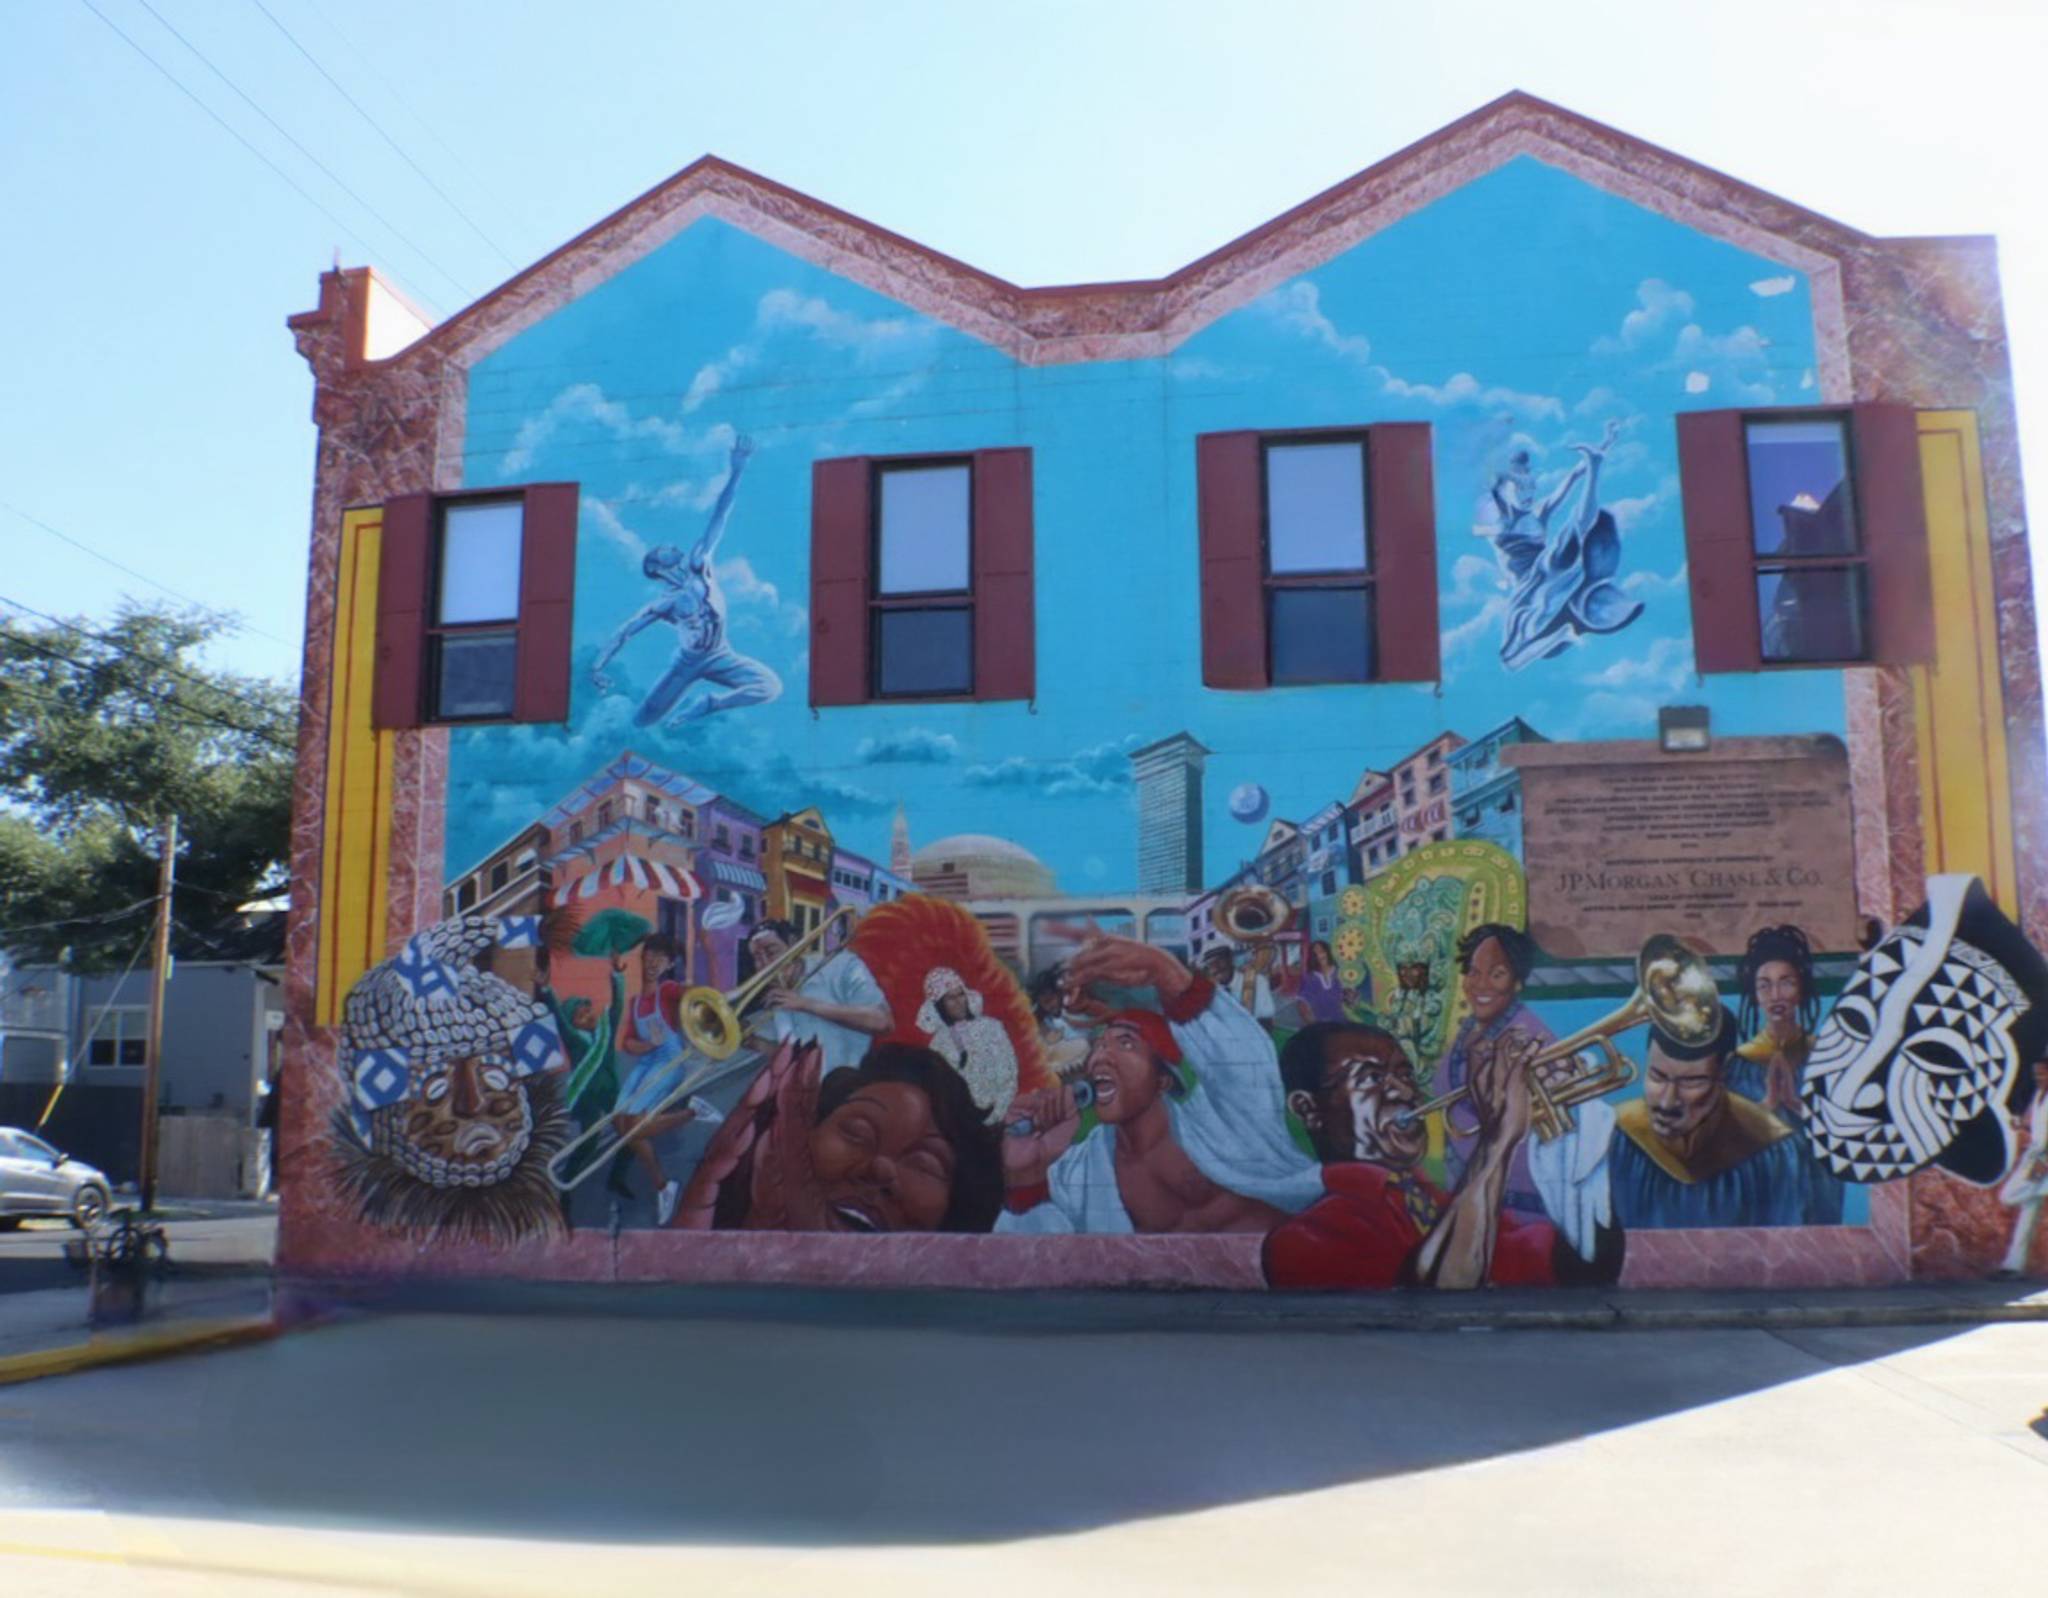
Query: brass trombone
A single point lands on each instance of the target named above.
(713, 1025)
(1674, 990)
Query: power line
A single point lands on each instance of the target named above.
(390, 226)
(370, 66)
(236, 135)
(37, 521)
(110, 642)
(387, 138)
(74, 921)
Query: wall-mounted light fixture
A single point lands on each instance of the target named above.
(1684, 729)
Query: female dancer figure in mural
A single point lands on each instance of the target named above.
(1494, 961)
(707, 673)
(1780, 1007)
(1560, 576)
(1322, 992)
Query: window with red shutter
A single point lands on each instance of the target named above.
(1318, 553)
(922, 578)
(1806, 539)
(476, 599)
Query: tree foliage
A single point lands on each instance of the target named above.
(106, 733)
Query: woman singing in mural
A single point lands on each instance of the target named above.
(707, 673)
(894, 1144)
(1560, 576)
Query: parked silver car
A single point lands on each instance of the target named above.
(36, 1179)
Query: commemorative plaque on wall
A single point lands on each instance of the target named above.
(1621, 840)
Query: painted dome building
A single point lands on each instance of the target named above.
(972, 865)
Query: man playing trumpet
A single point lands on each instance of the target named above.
(1381, 1222)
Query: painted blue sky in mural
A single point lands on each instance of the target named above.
(639, 389)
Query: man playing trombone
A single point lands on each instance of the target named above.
(836, 1003)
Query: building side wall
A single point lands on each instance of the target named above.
(1628, 312)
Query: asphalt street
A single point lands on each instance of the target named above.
(542, 1454)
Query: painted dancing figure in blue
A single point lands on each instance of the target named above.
(707, 674)
(1561, 576)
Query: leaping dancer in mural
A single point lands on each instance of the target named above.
(1561, 577)
(707, 673)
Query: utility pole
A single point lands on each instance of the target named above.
(160, 967)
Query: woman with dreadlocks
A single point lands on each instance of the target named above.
(1780, 1008)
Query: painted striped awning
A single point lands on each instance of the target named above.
(630, 871)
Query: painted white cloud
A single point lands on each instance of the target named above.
(599, 514)
(1697, 382)
(1658, 306)
(1664, 668)
(1650, 585)
(785, 308)
(586, 404)
(744, 586)
(1770, 287)
(1298, 308)
(712, 377)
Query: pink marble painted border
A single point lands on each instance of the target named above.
(1762, 1256)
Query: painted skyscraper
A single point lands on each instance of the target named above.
(1169, 778)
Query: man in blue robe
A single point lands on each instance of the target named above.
(1690, 1153)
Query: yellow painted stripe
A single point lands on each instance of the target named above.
(1958, 702)
(152, 1343)
(355, 853)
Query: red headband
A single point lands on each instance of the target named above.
(1151, 1026)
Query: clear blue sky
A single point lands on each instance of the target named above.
(151, 403)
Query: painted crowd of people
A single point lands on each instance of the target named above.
(1127, 1091)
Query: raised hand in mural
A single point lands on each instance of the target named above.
(1053, 1119)
(1121, 963)
(1502, 1093)
(771, 1123)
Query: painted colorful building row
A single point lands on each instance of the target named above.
(1486, 732)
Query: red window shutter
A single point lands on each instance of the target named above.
(1005, 634)
(403, 590)
(547, 602)
(1891, 514)
(1230, 491)
(841, 536)
(1400, 484)
(1720, 558)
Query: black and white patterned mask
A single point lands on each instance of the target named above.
(1916, 1062)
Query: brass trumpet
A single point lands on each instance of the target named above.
(1675, 991)
(1253, 913)
(713, 1028)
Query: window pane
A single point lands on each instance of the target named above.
(473, 675)
(1315, 507)
(925, 651)
(100, 1052)
(480, 562)
(1813, 613)
(134, 1051)
(1321, 634)
(924, 529)
(1799, 496)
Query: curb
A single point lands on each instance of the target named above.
(976, 1311)
(185, 1338)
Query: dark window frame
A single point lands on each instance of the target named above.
(1857, 560)
(437, 632)
(923, 600)
(1348, 579)
(1883, 470)
(410, 635)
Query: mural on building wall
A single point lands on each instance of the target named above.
(1140, 957)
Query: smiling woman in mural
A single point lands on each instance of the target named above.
(707, 673)
(895, 1144)
(1560, 576)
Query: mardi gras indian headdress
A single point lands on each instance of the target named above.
(1916, 1062)
(411, 1028)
